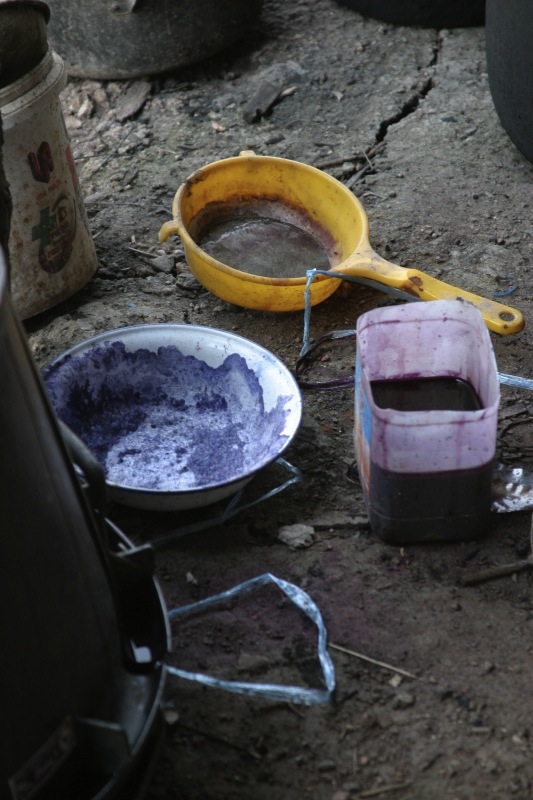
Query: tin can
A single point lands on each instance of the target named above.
(51, 250)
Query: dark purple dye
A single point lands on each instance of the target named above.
(423, 507)
(166, 421)
(426, 394)
(429, 507)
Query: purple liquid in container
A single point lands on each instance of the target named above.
(427, 396)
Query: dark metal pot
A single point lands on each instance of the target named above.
(113, 39)
(23, 37)
(83, 626)
(509, 36)
(425, 13)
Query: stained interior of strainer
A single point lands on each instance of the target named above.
(263, 237)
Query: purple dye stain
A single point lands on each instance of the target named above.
(164, 421)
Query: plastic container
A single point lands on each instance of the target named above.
(426, 411)
(52, 254)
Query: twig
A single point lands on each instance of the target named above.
(336, 162)
(504, 569)
(498, 572)
(140, 252)
(367, 158)
(215, 738)
(373, 194)
(514, 422)
(392, 787)
(373, 661)
(357, 177)
(296, 711)
(181, 147)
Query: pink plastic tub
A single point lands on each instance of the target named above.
(426, 412)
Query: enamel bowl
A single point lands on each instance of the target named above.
(179, 416)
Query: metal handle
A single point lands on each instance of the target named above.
(498, 317)
(90, 467)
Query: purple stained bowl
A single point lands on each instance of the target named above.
(179, 416)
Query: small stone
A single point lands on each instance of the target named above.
(403, 700)
(297, 536)
(171, 717)
(163, 263)
(252, 663)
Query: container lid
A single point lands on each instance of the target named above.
(23, 37)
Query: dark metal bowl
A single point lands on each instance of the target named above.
(115, 39)
(23, 37)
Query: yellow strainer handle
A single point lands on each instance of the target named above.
(498, 317)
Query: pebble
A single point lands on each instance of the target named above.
(252, 663)
(171, 717)
(327, 765)
(296, 536)
(404, 700)
(163, 263)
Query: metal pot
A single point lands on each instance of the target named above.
(23, 37)
(114, 39)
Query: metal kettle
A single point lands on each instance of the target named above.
(83, 625)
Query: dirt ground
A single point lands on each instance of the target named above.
(403, 116)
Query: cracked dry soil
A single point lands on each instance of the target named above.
(404, 117)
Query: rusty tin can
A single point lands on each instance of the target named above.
(51, 250)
